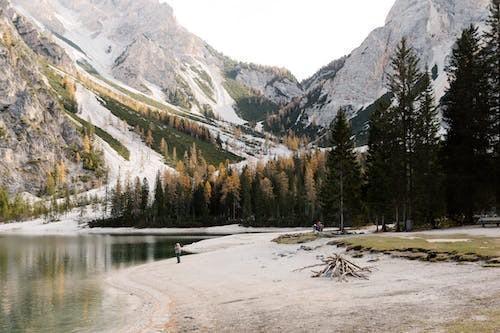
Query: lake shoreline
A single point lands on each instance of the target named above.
(247, 282)
(70, 225)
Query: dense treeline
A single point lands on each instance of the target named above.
(403, 171)
(414, 176)
(471, 152)
(282, 192)
(19, 208)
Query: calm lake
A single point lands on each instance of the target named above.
(55, 283)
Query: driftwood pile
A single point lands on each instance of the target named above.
(338, 267)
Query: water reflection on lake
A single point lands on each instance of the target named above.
(54, 283)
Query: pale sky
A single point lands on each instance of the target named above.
(300, 35)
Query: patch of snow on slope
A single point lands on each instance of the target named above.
(222, 103)
(99, 50)
(144, 162)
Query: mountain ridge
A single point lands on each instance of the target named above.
(152, 53)
(431, 26)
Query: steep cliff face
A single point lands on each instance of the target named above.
(35, 135)
(40, 43)
(431, 26)
(141, 44)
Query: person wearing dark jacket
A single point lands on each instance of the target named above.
(178, 252)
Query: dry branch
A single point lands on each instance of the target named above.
(340, 268)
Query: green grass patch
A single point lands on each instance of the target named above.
(255, 109)
(174, 138)
(108, 138)
(87, 67)
(298, 238)
(249, 105)
(69, 42)
(481, 246)
(203, 75)
(237, 90)
(206, 89)
(56, 82)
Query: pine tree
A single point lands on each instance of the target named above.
(128, 201)
(380, 175)
(116, 200)
(144, 195)
(466, 114)
(149, 138)
(87, 147)
(403, 83)
(246, 193)
(491, 53)
(136, 209)
(265, 207)
(67, 198)
(159, 200)
(231, 193)
(282, 193)
(50, 184)
(61, 172)
(218, 141)
(340, 195)
(428, 174)
(174, 155)
(310, 194)
(4, 205)
(207, 196)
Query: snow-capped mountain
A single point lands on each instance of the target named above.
(140, 43)
(431, 26)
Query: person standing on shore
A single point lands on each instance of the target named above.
(178, 252)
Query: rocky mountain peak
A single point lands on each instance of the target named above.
(431, 26)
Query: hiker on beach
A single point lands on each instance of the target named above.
(318, 226)
(178, 252)
(321, 226)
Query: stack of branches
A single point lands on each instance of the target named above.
(340, 268)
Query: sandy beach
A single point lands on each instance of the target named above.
(246, 283)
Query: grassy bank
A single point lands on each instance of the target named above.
(458, 244)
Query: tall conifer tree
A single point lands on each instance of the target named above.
(403, 83)
(491, 54)
(340, 194)
(466, 114)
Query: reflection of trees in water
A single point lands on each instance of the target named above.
(51, 284)
(45, 286)
(142, 252)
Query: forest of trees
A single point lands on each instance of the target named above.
(281, 192)
(411, 176)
